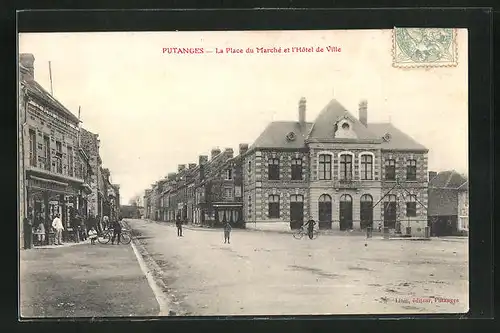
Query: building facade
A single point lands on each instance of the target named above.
(448, 203)
(51, 181)
(339, 170)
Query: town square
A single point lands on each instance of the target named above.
(216, 184)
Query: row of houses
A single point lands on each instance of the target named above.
(339, 170)
(60, 167)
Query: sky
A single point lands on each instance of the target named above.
(154, 110)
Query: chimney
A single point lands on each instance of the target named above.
(363, 112)
(243, 148)
(214, 152)
(171, 176)
(181, 167)
(229, 152)
(202, 159)
(191, 165)
(28, 61)
(432, 174)
(302, 112)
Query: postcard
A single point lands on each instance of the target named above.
(243, 173)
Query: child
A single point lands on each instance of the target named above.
(92, 235)
(227, 232)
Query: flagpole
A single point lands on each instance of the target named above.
(50, 75)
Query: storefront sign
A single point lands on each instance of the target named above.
(48, 185)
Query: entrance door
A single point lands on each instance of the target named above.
(345, 212)
(366, 211)
(390, 214)
(296, 210)
(325, 212)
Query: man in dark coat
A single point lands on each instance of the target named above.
(178, 224)
(28, 229)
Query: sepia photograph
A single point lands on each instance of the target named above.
(243, 173)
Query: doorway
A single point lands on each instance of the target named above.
(325, 212)
(366, 211)
(296, 210)
(345, 212)
(390, 211)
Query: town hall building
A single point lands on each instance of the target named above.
(340, 170)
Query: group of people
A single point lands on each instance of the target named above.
(37, 229)
(227, 229)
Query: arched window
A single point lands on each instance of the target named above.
(345, 206)
(411, 206)
(366, 211)
(274, 206)
(325, 198)
(345, 198)
(325, 167)
(274, 168)
(325, 210)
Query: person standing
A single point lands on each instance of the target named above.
(227, 232)
(117, 231)
(58, 226)
(178, 223)
(28, 229)
(39, 229)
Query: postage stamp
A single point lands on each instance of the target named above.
(424, 47)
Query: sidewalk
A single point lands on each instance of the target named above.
(84, 280)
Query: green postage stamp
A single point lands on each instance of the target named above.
(424, 47)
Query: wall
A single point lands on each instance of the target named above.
(463, 210)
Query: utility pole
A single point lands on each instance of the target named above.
(50, 76)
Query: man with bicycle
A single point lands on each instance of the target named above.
(310, 227)
(117, 230)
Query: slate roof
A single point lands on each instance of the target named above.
(398, 141)
(36, 89)
(324, 124)
(449, 180)
(275, 135)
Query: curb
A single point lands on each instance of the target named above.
(162, 300)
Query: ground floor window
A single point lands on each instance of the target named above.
(390, 211)
(274, 206)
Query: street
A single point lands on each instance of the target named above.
(268, 273)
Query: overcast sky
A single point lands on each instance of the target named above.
(154, 111)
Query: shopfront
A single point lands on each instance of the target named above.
(231, 212)
(49, 197)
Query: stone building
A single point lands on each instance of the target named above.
(448, 203)
(342, 171)
(50, 181)
(90, 144)
(219, 190)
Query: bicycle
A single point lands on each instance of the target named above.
(298, 234)
(107, 235)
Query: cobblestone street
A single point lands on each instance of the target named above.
(266, 273)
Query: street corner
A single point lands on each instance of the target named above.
(84, 281)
